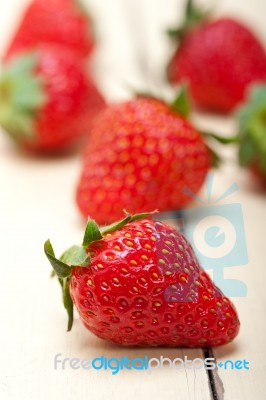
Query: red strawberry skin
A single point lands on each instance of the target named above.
(141, 155)
(144, 287)
(259, 174)
(71, 101)
(60, 22)
(219, 59)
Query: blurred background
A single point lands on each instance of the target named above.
(132, 47)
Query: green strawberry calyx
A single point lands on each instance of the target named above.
(193, 17)
(79, 256)
(22, 95)
(181, 105)
(252, 129)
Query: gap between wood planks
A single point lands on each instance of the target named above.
(215, 383)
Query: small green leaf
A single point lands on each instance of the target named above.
(193, 17)
(181, 104)
(216, 159)
(116, 225)
(53, 273)
(120, 224)
(221, 139)
(22, 95)
(247, 152)
(174, 34)
(136, 217)
(252, 128)
(61, 281)
(92, 233)
(21, 126)
(68, 303)
(189, 8)
(62, 270)
(28, 94)
(76, 256)
(20, 65)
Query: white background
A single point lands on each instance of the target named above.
(37, 202)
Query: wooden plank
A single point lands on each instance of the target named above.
(33, 322)
(32, 318)
(246, 384)
(249, 345)
(37, 203)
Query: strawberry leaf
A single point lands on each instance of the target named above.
(221, 139)
(116, 225)
(246, 152)
(252, 127)
(129, 218)
(68, 303)
(136, 217)
(62, 270)
(76, 256)
(181, 104)
(194, 16)
(22, 95)
(92, 233)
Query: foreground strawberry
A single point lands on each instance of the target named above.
(252, 133)
(60, 22)
(47, 100)
(218, 58)
(141, 154)
(138, 282)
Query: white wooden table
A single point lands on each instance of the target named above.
(37, 202)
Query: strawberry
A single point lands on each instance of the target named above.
(218, 58)
(60, 22)
(47, 99)
(138, 282)
(141, 154)
(252, 132)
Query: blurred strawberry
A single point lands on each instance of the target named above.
(47, 100)
(141, 154)
(219, 59)
(252, 135)
(61, 22)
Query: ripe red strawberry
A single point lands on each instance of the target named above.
(252, 132)
(219, 59)
(47, 100)
(141, 154)
(60, 22)
(138, 282)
